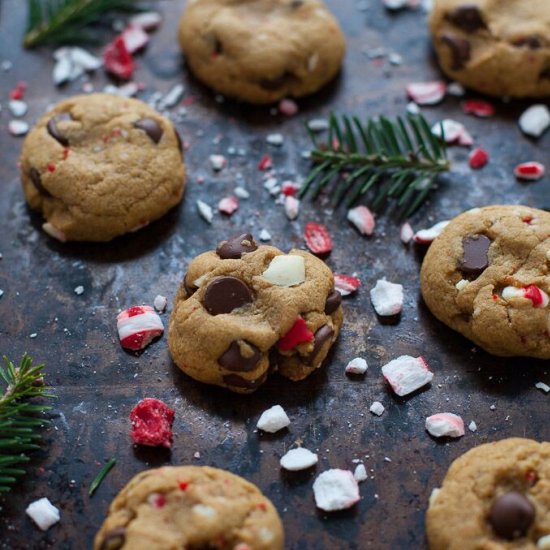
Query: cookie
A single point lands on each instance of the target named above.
(261, 51)
(487, 276)
(98, 166)
(495, 47)
(190, 508)
(245, 310)
(494, 497)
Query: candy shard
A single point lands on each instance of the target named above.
(406, 233)
(377, 408)
(542, 386)
(426, 236)
(292, 207)
(387, 298)
(152, 423)
(286, 270)
(160, 303)
(346, 284)
(335, 489)
(360, 473)
(274, 419)
(357, 366)
(427, 93)
(298, 334)
(535, 120)
(317, 238)
(298, 459)
(538, 297)
(138, 326)
(478, 158)
(361, 217)
(43, 513)
(529, 171)
(445, 425)
(228, 205)
(205, 210)
(406, 374)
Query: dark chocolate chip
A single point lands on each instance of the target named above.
(511, 515)
(34, 174)
(151, 127)
(533, 42)
(240, 382)
(218, 46)
(190, 290)
(54, 131)
(225, 294)
(475, 258)
(468, 18)
(460, 49)
(234, 248)
(334, 299)
(295, 4)
(240, 357)
(545, 74)
(114, 539)
(322, 336)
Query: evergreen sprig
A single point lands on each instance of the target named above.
(393, 159)
(20, 417)
(64, 21)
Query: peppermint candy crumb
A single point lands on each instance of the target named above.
(357, 366)
(298, 459)
(43, 513)
(274, 419)
(445, 425)
(407, 374)
(377, 408)
(335, 489)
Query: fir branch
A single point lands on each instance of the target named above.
(399, 159)
(63, 21)
(101, 476)
(19, 421)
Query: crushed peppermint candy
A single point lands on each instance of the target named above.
(147, 20)
(407, 374)
(472, 426)
(317, 238)
(387, 298)
(288, 107)
(160, 302)
(172, 97)
(17, 107)
(71, 63)
(274, 419)
(406, 233)
(478, 158)
(452, 132)
(43, 513)
(544, 543)
(346, 284)
(52, 231)
(289, 188)
(427, 93)
(79, 290)
(360, 473)
(217, 162)
(228, 205)
(413, 108)
(275, 139)
(152, 423)
(286, 270)
(265, 235)
(292, 207)
(205, 211)
(138, 326)
(118, 60)
(129, 89)
(529, 171)
(241, 192)
(361, 217)
(456, 89)
(135, 38)
(298, 333)
(535, 120)
(538, 297)
(542, 386)
(479, 108)
(18, 127)
(445, 425)
(265, 163)
(298, 459)
(318, 125)
(426, 236)
(377, 408)
(335, 489)
(357, 366)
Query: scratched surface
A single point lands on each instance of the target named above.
(97, 383)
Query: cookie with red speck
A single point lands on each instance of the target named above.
(486, 276)
(262, 52)
(98, 166)
(245, 310)
(190, 507)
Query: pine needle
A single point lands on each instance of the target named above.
(390, 160)
(101, 476)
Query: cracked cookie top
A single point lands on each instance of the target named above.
(487, 276)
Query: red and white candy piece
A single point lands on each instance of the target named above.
(152, 423)
(286, 270)
(289, 188)
(217, 162)
(427, 93)
(228, 205)
(292, 207)
(43, 513)
(445, 425)
(406, 233)
(357, 366)
(274, 419)
(288, 107)
(265, 163)
(478, 107)
(138, 326)
(452, 130)
(118, 60)
(317, 238)
(298, 459)
(529, 171)
(387, 298)
(335, 489)
(346, 284)
(18, 127)
(361, 217)
(406, 374)
(478, 158)
(298, 334)
(538, 297)
(135, 38)
(426, 236)
(148, 20)
(535, 120)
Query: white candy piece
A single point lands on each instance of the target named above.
(52, 231)
(395, 4)
(540, 300)
(43, 513)
(18, 127)
(445, 425)
(535, 120)
(357, 366)
(148, 20)
(451, 128)
(17, 107)
(134, 38)
(413, 108)
(387, 298)
(160, 303)
(78, 290)
(173, 97)
(286, 270)
(265, 235)
(241, 192)
(275, 139)
(129, 89)
(377, 408)
(138, 326)
(462, 284)
(73, 62)
(274, 419)
(360, 473)
(292, 207)
(426, 236)
(407, 374)
(217, 162)
(542, 386)
(205, 211)
(406, 233)
(456, 89)
(544, 542)
(361, 217)
(472, 426)
(298, 459)
(335, 490)
(198, 282)
(318, 125)
(433, 496)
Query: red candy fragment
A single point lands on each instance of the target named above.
(534, 294)
(265, 163)
(228, 205)
(317, 238)
(18, 93)
(183, 485)
(152, 423)
(530, 171)
(118, 60)
(346, 284)
(478, 158)
(298, 334)
(427, 93)
(478, 107)
(138, 326)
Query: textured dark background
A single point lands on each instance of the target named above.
(97, 383)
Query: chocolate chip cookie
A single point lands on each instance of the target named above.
(487, 276)
(495, 497)
(495, 47)
(98, 166)
(245, 310)
(190, 508)
(262, 50)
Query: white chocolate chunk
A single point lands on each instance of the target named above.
(286, 270)
(298, 459)
(462, 284)
(544, 542)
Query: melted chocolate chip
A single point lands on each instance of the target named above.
(114, 539)
(334, 299)
(511, 515)
(295, 4)
(322, 336)
(54, 131)
(151, 127)
(475, 258)
(34, 174)
(234, 248)
(189, 290)
(240, 382)
(533, 42)
(240, 357)
(468, 18)
(460, 49)
(225, 294)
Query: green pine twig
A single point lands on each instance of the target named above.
(101, 476)
(395, 160)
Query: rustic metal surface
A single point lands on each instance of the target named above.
(97, 383)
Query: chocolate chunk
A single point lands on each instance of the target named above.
(468, 18)
(533, 42)
(511, 515)
(34, 174)
(54, 131)
(225, 294)
(475, 258)
(460, 49)
(190, 290)
(334, 299)
(234, 248)
(151, 127)
(322, 336)
(240, 357)
(295, 4)
(240, 382)
(545, 74)
(114, 539)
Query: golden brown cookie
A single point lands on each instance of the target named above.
(261, 50)
(245, 309)
(190, 508)
(498, 47)
(494, 497)
(98, 166)
(487, 276)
